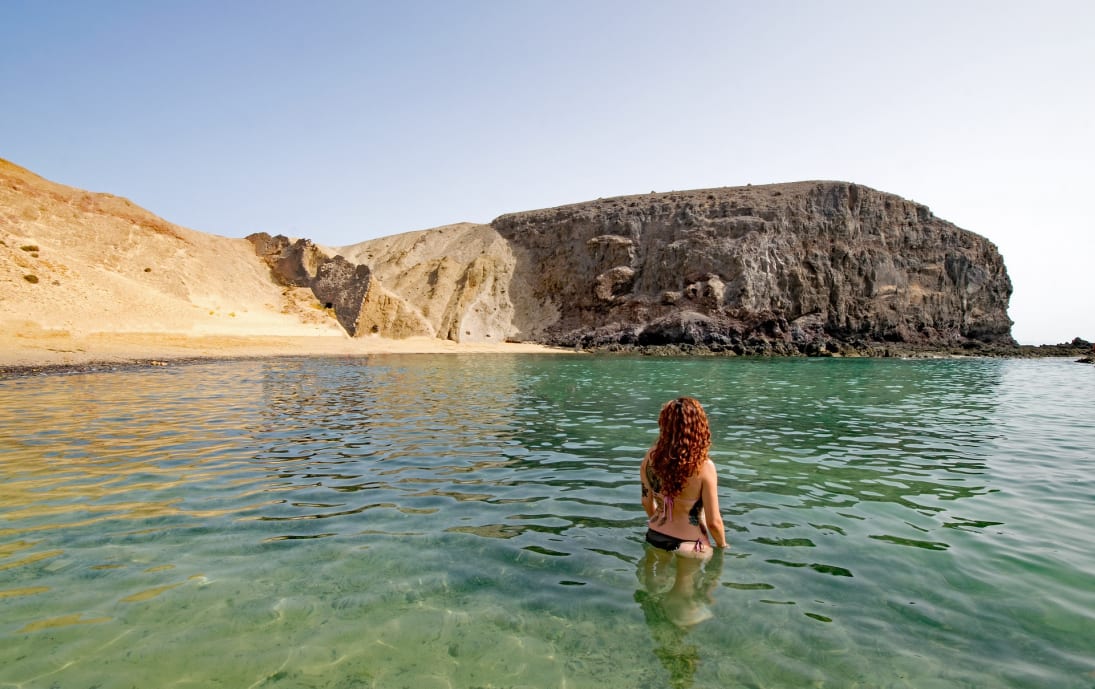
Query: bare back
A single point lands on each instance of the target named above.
(682, 516)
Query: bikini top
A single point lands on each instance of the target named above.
(666, 513)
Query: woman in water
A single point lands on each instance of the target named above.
(680, 485)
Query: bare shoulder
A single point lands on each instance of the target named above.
(708, 469)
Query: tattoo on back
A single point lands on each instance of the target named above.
(694, 513)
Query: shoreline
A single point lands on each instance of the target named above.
(44, 352)
(51, 352)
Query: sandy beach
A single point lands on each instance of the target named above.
(29, 350)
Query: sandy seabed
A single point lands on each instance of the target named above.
(46, 350)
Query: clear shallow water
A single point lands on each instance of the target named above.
(474, 522)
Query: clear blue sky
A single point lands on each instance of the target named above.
(342, 121)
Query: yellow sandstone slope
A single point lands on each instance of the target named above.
(79, 262)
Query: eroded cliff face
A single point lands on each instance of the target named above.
(786, 268)
(455, 280)
(449, 282)
(336, 283)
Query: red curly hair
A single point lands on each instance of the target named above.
(683, 440)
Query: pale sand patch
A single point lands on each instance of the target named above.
(35, 347)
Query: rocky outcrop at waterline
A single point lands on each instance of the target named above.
(804, 267)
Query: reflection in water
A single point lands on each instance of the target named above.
(384, 426)
(675, 594)
(96, 448)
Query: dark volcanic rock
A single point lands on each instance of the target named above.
(337, 283)
(805, 267)
(342, 286)
(292, 263)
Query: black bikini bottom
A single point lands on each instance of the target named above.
(663, 541)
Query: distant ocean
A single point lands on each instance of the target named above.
(474, 521)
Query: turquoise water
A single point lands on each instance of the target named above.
(450, 521)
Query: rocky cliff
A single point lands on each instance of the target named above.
(801, 267)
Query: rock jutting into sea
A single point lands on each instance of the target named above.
(806, 267)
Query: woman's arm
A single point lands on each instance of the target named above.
(709, 490)
(648, 494)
